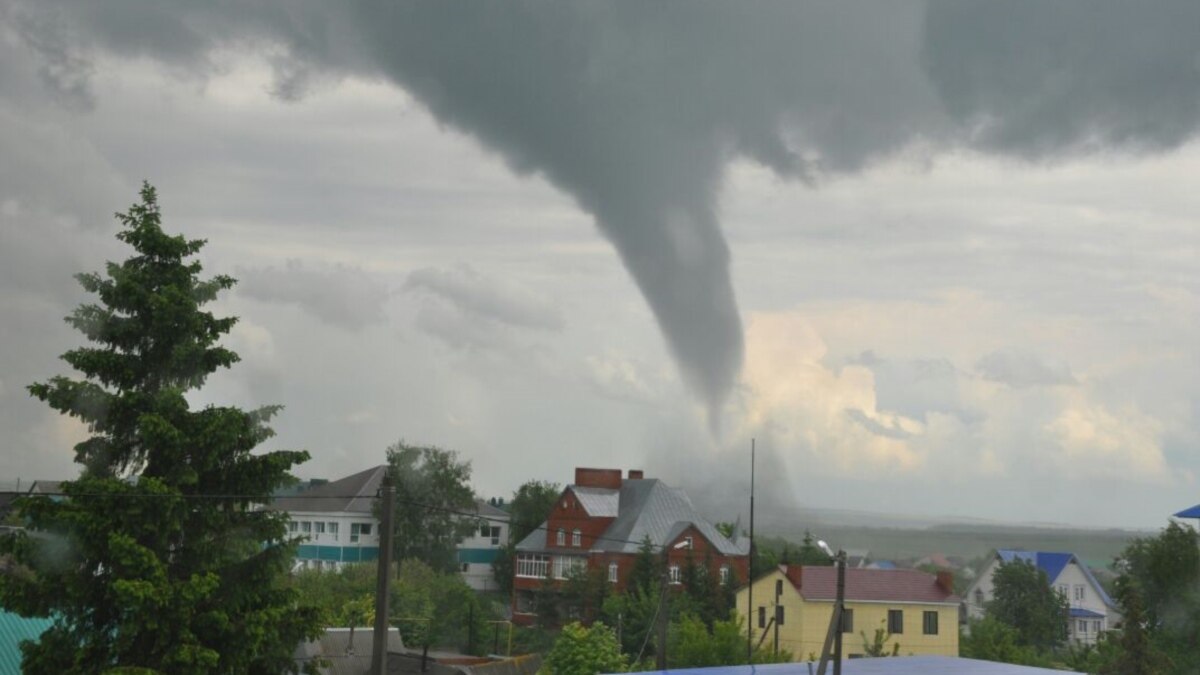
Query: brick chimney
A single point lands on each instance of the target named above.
(600, 478)
(945, 581)
(636, 474)
(794, 574)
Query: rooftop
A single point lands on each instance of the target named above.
(353, 494)
(900, 665)
(869, 585)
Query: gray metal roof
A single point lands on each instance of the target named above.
(651, 508)
(490, 512)
(334, 648)
(534, 541)
(353, 494)
(645, 508)
(898, 665)
(598, 502)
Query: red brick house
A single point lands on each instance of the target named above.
(600, 522)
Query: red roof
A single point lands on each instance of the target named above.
(820, 583)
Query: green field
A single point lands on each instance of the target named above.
(1096, 548)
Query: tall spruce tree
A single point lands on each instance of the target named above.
(157, 559)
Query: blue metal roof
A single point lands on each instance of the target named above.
(1081, 613)
(1193, 512)
(1053, 563)
(13, 630)
(900, 665)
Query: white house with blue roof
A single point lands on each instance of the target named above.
(1092, 611)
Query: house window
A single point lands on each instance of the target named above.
(847, 621)
(567, 565)
(895, 621)
(357, 529)
(779, 615)
(612, 572)
(930, 623)
(1079, 591)
(1096, 625)
(1064, 589)
(1083, 626)
(577, 538)
(561, 538)
(979, 596)
(484, 530)
(687, 543)
(292, 526)
(778, 587)
(673, 574)
(532, 565)
(466, 567)
(762, 617)
(495, 535)
(333, 530)
(724, 574)
(319, 527)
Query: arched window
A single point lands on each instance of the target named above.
(561, 540)
(577, 538)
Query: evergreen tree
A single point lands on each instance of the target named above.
(157, 559)
(1136, 654)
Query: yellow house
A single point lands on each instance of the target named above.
(918, 611)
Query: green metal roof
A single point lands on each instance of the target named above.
(14, 629)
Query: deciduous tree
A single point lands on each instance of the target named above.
(157, 557)
(433, 491)
(1024, 600)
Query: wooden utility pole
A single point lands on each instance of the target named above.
(750, 569)
(383, 578)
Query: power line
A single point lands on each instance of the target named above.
(260, 499)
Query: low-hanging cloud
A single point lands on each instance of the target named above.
(339, 295)
(637, 109)
(474, 294)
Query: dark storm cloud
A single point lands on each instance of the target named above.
(636, 109)
(1038, 79)
(339, 295)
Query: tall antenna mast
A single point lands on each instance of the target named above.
(750, 569)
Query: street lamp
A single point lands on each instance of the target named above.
(834, 635)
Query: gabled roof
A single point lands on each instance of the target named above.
(598, 502)
(871, 585)
(650, 508)
(353, 494)
(490, 512)
(645, 507)
(1053, 563)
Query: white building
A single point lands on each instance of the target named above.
(1091, 611)
(335, 520)
(338, 526)
(477, 552)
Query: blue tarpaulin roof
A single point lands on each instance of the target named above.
(901, 665)
(13, 630)
(1193, 512)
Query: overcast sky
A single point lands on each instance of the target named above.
(937, 258)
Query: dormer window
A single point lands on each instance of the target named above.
(561, 538)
